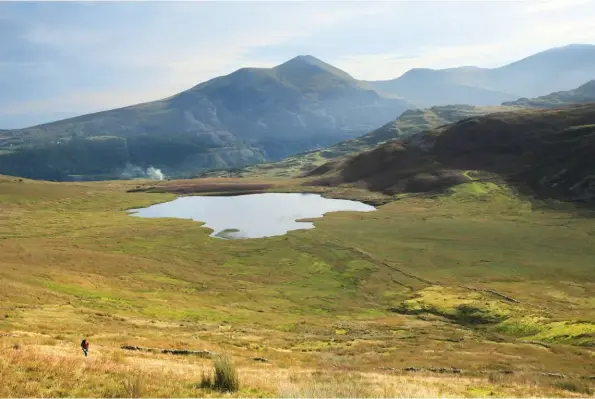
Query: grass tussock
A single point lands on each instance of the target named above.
(224, 377)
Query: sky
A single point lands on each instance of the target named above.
(61, 59)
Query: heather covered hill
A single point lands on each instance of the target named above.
(547, 153)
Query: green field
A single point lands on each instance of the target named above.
(476, 279)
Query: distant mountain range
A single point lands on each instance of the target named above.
(542, 152)
(553, 70)
(257, 115)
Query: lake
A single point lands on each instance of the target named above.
(252, 215)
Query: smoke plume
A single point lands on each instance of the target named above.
(155, 174)
(136, 172)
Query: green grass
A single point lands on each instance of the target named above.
(464, 307)
(74, 263)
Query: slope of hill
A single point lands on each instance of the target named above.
(409, 123)
(581, 95)
(545, 152)
(552, 70)
(246, 117)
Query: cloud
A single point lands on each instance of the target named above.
(554, 5)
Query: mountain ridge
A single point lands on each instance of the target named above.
(415, 121)
(249, 116)
(555, 69)
(256, 115)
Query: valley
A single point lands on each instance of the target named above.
(477, 288)
(464, 269)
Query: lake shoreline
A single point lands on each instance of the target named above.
(256, 215)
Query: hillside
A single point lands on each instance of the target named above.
(249, 116)
(546, 153)
(410, 122)
(581, 95)
(552, 70)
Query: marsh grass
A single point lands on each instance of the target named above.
(73, 264)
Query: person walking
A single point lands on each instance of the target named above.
(85, 346)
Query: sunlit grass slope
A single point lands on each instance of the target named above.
(476, 279)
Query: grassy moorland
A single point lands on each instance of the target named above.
(475, 279)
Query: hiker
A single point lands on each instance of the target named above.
(85, 346)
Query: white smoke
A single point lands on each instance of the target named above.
(155, 174)
(136, 172)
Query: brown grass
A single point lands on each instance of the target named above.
(32, 372)
(214, 185)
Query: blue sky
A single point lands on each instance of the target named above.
(60, 59)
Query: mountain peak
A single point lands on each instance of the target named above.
(303, 63)
(304, 59)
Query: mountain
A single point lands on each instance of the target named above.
(581, 95)
(557, 69)
(249, 116)
(411, 122)
(428, 87)
(547, 153)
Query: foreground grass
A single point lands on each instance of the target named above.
(42, 371)
(419, 283)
